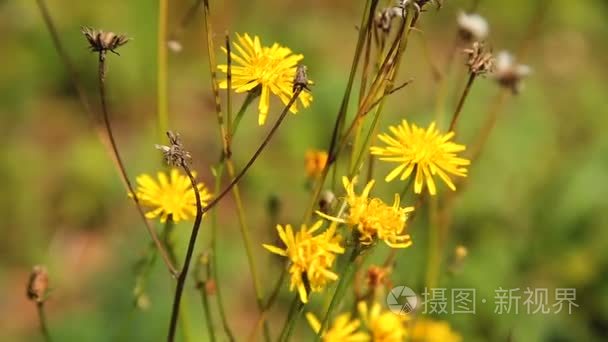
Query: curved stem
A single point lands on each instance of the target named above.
(181, 280)
(121, 167)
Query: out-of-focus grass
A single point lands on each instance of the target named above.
(533, 213)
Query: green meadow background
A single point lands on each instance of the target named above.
(533, 214)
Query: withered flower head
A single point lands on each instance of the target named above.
(509, 74)
(472, 27)
(300, 80)
(479, 60)
(100, 41)
(175, 155)
(38, 284)
(385, 17)
(326, 201)
(377, 276)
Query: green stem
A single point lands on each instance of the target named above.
(214, 265)
(162, 66)
(346, 273)
(434, 249)
(252, 95)
(203, 274)
(43, 324)
(297, 307)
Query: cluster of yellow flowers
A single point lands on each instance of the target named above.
(418, 152)
(380, 325)
(311, 256)
(372, 218)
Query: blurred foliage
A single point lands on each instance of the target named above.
(534, 213)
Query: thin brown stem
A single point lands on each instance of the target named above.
(121, 167)
(181, 280)
(463, 97)
(256, 154)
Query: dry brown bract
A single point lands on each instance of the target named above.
(101, 41)
(38, 284)
(479, 60)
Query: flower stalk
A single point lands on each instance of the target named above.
(102, 42)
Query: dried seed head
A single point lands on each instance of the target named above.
(509, 74)
(326, 202)
(479, 60)
(175, 155)
(301, 78)
(38, 284)
(100, 41)
(384, 18)
(472, 27)
(377, 276)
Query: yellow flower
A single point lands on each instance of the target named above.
(170, 196)
(311, 256)
(427, 330)
(427, 151)
(272, 69)
(373, 218)
(315, 162)
(343, 330)
(384, 326)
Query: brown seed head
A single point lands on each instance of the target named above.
(38, 284)
(479, 60)
(100, 41)
(174, 154)
(508, 73)
(377, 276)
(301, 78)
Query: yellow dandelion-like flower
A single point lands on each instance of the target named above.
(315, 162)
(271, 68)
(311, 256)
(427, 330)
(344, 329)
(373, 218)
(170, 196)
(427, 151)
(383, 325)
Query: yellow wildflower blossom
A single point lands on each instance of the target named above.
(373, 218)
(427, 330)
(426, 151)
(383, 325)
(311, 256)
(269, 68)
(170, 196)
(315, 162)
(344, 329)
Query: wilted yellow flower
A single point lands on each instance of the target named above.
(315, 162)
(170, 196)
(427, 330)
(344, 329)
(272, 69)
(426, 151)
(384, 325)
(311, 256)
(373, 218)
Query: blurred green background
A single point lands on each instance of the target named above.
(534, 213)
